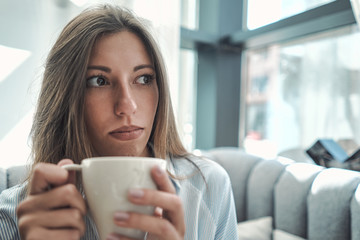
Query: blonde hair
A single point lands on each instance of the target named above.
(59, 129)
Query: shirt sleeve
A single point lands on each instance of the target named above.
(226, 222)
(9, 200)
(208, 200)
(8, 228)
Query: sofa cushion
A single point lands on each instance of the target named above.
(257, 229)
(239, 165)
(282, 235)
(329, 204)
(260, 191)
(355, 215)
(290, 196)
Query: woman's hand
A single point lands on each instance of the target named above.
(54, 208)
(168, 221)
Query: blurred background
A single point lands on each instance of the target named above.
(267, 76)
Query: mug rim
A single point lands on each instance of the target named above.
(120, 158)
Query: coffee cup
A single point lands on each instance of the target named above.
(106, 181)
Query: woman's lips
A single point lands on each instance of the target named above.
(127, 133)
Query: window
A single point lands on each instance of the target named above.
(187, 97)
(264, 12)
(190, 14)
(302, 90)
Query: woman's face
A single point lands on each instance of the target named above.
(121, 96)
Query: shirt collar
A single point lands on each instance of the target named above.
(171, 170)
(169, 166)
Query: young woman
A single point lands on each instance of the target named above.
(105, 93)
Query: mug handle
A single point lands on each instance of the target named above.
(72, 167)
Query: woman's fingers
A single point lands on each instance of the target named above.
(168, 221)
(167, 199)
(66, 218)
(54, 234)
(158, 226)
(158, 212)
(46, 175)
(71, 174)
(54, 208)
(60, 197)
(162, 180)
(170, 203)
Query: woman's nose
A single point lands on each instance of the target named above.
(125, 101)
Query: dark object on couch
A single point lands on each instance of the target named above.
(327, 153)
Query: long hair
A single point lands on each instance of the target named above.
(59, 129)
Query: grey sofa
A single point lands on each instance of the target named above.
(304, 199)
(12, 176)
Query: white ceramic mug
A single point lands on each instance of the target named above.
(106, 182)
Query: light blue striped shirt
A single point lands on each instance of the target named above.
(207, 199)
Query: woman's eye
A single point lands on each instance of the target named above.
(145, 79)
(96, 81)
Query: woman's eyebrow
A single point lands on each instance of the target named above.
(106, 69)
(143, 66)
(102, 68)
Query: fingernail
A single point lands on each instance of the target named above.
(136, 193)
(159, 171)
(112, 237)
(121, 216)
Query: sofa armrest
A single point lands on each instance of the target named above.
(12, 176)
(16, 175)
(3, 179)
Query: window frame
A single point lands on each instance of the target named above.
(330, 16)
(323, 18)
